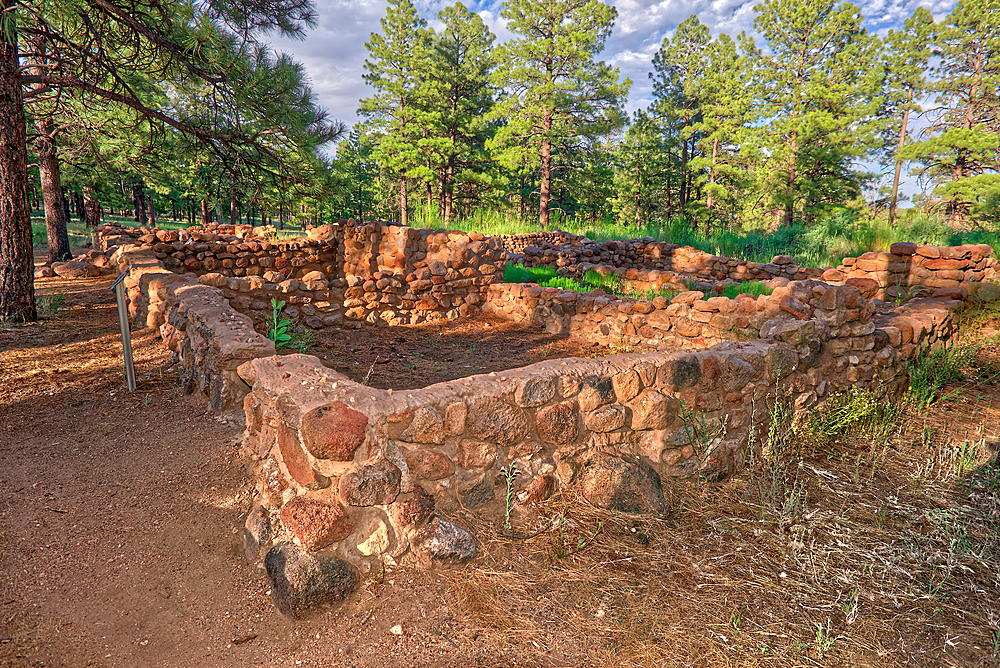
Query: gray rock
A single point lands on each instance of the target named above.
(623, 485)
(257, 532)
(443, 543)
(300, 580)
(478, 493)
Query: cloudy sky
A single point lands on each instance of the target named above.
(334, 51)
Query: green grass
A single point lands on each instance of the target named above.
(547, 277)
(755, 288)
(842, 233)
(934, 370)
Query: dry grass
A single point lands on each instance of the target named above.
(890, 558)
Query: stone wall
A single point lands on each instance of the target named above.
(197, 323)
(348, 476)
(356, 473)
(685, 321)
(342, 273)
(575, 255)
(907, 267)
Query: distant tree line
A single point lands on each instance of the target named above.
(739, 134)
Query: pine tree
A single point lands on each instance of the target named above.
(109, 50)
(397, 69)
(459, 101)
(727, 114)
(558, 95)
(907, 52)
(679, 71)
(821, 91)
(961, 153)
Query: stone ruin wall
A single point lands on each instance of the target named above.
(651, 265)
(356, 473)
(341, 274)
(349, 476)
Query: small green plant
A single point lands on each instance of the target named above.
(857, 409)
(774, 471)
(824, 638)
(48, 305)
(510, 474)
(934, 370)
(850, 606)
(704, 435)
(560, 548)
(736, 619)
(280, 324)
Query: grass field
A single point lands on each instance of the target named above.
(824, 244)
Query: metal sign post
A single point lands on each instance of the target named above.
(119, 287)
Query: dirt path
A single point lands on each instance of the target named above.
(118, 515)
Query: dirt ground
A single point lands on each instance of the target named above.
(118, 544)
(405, 358)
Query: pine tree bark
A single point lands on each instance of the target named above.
(710, 200)
(56, 217)
(139, 201)
(403, 203)
(151, 209)
(91, 207)
(899, 163)
(17, 286)
(448, 190)
(545, 170)
(205, 213)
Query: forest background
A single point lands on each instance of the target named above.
(793, 140)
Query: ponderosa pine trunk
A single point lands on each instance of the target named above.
(205, 213)
(139, 201)
(448, 190)
(91, 207)
(404, 204)
(151, 210)
(899, 163)
(17, 286)
(234, 214)
(545, 170)
(56, 217)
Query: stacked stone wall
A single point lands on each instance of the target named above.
(349, 476)
(688, 320)
(576, 255)
(342, 273)
(907, 267)
(357, 473)
(197, 323)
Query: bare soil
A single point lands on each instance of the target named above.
(405, 358)
(118, 516)
(118, 545)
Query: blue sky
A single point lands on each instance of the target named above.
(334, 52)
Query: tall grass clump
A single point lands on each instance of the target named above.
(934, 370)
(854, 411)
(518, 273)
